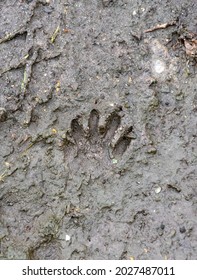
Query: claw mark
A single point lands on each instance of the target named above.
(77, 130)
(93, 124)
(112, 124)
(123, 143)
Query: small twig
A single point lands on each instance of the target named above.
(160, 26)
(55, 33)
(34, 141)
(28, 71)
(3, 176)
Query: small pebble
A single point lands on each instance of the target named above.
(48, 10)
(67, 237)
(172, 233)
(74, 86)
(152, 150)
(158, 190)
(159, 66)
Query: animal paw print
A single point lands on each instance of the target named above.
(98, 146)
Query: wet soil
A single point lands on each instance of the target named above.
(98, 122)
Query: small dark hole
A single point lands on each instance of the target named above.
(162, 226)
(182, 229)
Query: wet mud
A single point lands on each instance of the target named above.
(98, 122)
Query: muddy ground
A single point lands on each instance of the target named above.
(98, 124)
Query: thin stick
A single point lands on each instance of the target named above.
(160, 26)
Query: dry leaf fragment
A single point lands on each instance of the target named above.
(191, 47)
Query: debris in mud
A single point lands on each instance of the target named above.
(160, 26)
(66, 30)
(3, 176)
(172, 233)
(24, 82)
(189, 40)
(7, 173)
(3, 114)
(67, 238)
(191, 47)
(157, 189)
(54, 36)
(57, 86)
(174, 187)
(114, 161)
(152, 150)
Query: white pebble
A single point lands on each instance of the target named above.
(158, 190)
(159, 66)
(67, 237)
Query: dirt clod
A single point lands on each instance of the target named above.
(3, 114)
